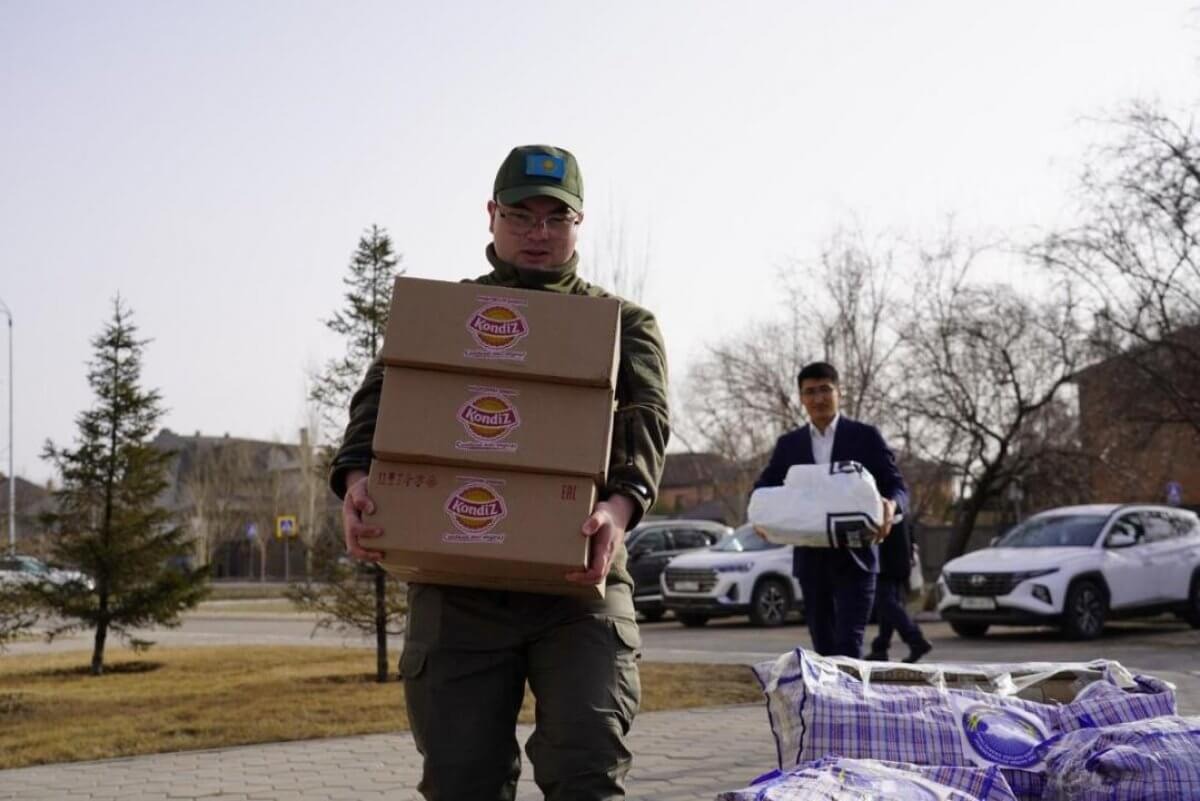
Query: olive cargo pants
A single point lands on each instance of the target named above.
(467, 656)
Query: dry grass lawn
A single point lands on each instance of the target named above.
(52, 710)
(249, 608)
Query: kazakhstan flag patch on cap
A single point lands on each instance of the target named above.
(544, 165)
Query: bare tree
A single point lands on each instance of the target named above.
(618, 263)
(851, 292)
(739, 398)
(983, 364)
(312, 491)
(742, 395)
(219, 488)
(1136, 259)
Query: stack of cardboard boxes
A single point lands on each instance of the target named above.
(493, 433)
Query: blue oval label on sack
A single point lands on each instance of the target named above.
(1001, 736)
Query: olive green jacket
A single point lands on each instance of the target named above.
(641, 424)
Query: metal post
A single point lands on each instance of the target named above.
(12, 478)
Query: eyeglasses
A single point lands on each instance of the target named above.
(812, 392)
(522, 222)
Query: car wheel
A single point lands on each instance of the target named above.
(971, 631)
(653, 615)
(692, 619)
(1084, 611)
(769, 603)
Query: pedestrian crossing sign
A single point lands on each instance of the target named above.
(286, 528)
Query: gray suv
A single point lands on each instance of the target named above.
(652, 544)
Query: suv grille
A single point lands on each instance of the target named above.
(706, 578)
(981, 583)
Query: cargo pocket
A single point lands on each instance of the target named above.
(627, 688)
(412, 660)
(628, 635)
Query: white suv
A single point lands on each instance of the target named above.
(743, 574)
(1075, 567)
(16, 569)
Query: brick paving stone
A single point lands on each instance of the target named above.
(690, 754)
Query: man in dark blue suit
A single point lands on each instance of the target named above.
(838, 583)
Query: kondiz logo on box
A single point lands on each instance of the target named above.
(474, 509)
(497, 326)
(489, 417)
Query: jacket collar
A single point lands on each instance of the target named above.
(556, 279)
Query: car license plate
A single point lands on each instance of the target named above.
(978, 603)
(687, 586)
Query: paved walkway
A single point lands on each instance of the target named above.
(678, 755)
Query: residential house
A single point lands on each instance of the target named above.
(230, 493)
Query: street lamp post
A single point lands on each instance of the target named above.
(12, 478)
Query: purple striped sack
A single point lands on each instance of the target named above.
(953, 715)
(1151, 760)
(842, 779)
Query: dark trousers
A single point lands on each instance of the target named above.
(837, 600)
(892, 616)
(468, 655)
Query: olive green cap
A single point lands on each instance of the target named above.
(539, 170)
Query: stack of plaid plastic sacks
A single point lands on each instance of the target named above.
(847, 730)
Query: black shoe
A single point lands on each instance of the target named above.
(877, 656)
(917, 651)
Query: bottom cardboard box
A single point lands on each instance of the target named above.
(482, 528)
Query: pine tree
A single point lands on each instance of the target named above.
(361, 323)
(106, 520)
(338, 595)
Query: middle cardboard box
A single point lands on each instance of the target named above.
(448, 418)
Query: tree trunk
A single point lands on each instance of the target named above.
(964, 524)
(98, 648)
(381, 656)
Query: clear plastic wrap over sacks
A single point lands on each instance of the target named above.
(842, 779)
(1151, 760)
(834, 505)
(955, 715)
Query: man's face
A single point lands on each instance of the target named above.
(548, 243)
(820, 397)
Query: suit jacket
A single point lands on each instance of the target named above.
(852, 441)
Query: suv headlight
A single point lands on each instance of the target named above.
(733, 567)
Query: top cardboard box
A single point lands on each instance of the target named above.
(497, 331)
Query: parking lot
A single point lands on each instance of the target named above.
(1161, 645)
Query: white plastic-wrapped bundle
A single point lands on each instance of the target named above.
(834, 505)
(1150, 760)
(842, 779)
(953, 715)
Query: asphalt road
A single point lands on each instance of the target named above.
(1161, 646)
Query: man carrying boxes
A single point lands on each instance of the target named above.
(502, 485)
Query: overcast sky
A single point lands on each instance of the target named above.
(215, 162)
